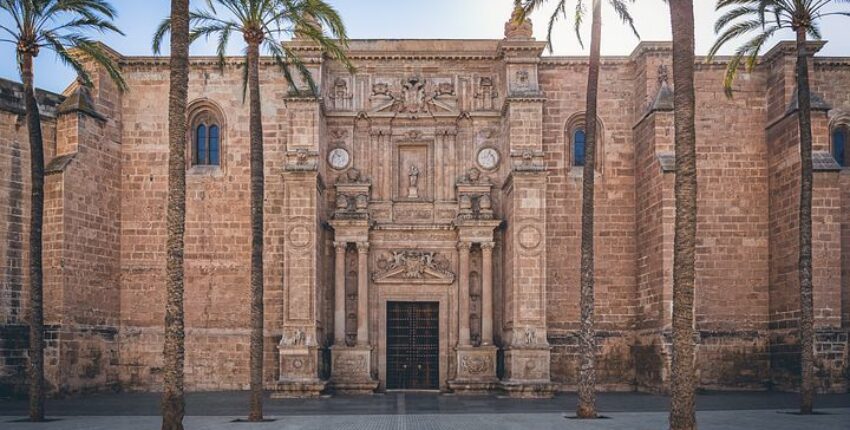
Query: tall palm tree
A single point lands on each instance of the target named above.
(173, 403)
(683, 407)
(587, 335)
(59, 26)
(759, 21)
(263, 24)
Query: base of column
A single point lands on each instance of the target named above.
(527, 373)
(476, 370)
(299, 373)
(351, 370)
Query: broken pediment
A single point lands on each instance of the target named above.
(413, 267)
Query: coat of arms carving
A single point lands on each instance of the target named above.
(413, 266)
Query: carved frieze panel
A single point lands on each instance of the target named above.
(413, 266)
(413, 95)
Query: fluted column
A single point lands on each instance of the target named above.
(339, 294)
(463, 294)
(487, 293)
(362, 293)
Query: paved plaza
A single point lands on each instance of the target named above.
(413, 411)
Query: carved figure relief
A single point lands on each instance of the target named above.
(339, 158)
(294, 337)
(488, 158)
(413, 182)
(412, 265)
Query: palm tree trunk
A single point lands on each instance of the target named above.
(804, 116)
(257, 193)
(36, 350)
(682, 410)
(173, 403)
(587, 335)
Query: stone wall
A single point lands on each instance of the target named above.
(105, 226)
(14, 229)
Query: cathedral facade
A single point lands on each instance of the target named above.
(422, 223)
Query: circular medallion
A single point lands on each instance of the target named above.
(530, 237)
(339, 158)
(488, 158)
(299, 236)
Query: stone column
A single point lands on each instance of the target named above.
(463, 293)
(339, 294)
(362, 293)
(487, 293)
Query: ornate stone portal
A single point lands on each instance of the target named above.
(424, 208)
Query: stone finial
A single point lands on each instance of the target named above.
(309, 21)
(518, 27)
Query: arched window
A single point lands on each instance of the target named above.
(205, 133)
(575, 139)
(578, 147)
(839, 145)
(206, 149)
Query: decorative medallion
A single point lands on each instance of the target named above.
(339, 158)
(300, 236)
(488, 158)
(530, 237)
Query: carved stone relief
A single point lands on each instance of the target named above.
(339, 96)
(413, 266)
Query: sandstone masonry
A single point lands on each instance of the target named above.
(443, 172)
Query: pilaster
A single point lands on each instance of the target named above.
(304, 322)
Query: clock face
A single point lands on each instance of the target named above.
(488, 158)
(339, 158)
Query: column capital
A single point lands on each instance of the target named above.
(363, 246)
(340, 246)
(488, 245)
(464, 246)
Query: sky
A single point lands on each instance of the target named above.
(417, 19)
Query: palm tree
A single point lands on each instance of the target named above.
(58, 26)
(759, 20)
(587, 335)
(262, 24)
(173, 404)
(683, 407)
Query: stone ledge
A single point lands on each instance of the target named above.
(298, 389)
(528, 390)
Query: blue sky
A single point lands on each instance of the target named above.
(415, 19)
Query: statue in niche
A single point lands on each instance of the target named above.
(413, 182)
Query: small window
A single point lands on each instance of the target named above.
(839, 145)
(206, 145)
(578, 147)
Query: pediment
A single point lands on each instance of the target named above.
(413, 267)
